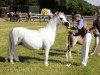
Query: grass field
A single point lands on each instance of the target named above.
(32, 61)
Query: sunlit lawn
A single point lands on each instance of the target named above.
(32, 61)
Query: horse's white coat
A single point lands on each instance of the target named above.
(35, 39)
(85, 48)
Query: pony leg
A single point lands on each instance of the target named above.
(70, 45)
(12, 43)
(11, 53)
(16, 58)
(68, 60)
(9, 48)
(95, 45)
(7, 56)
(46, 55)
(11, 57)
(68, 55)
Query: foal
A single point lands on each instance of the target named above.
(73, 40)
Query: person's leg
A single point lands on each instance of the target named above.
(85, 49)
(95, 45)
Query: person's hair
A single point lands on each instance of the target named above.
(78, 15)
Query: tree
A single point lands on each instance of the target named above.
(2, 3)
(66, 6)
(76, 6)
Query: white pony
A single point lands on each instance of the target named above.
(35, 39)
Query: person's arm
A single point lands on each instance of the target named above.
(79, 25)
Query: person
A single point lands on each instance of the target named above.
(81, 26)
(8, 16)
(15, 17)
(82, 30)
(18, 16)
(11, 15)
(96, 25)
(28, 16)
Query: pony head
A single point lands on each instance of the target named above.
(62, 19)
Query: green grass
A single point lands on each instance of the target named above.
(32, 61)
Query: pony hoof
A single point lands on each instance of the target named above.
(12, 62)
(68, 65)
(46, 64)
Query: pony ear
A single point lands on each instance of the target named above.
(57, 13)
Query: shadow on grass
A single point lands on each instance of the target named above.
(56, 61)
(76, 64)
(2, 59)
(58, 50)
(53, 53)
(25, 58)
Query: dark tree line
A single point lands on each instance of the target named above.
(66, 6)
(18, 2)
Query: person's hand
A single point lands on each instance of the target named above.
(72, 28)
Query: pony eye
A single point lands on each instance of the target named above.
(61, 19)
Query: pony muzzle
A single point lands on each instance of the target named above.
(67, 24)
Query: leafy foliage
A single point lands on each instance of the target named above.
(77, 6)
(67, 6)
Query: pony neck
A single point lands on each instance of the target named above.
(52, 24)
